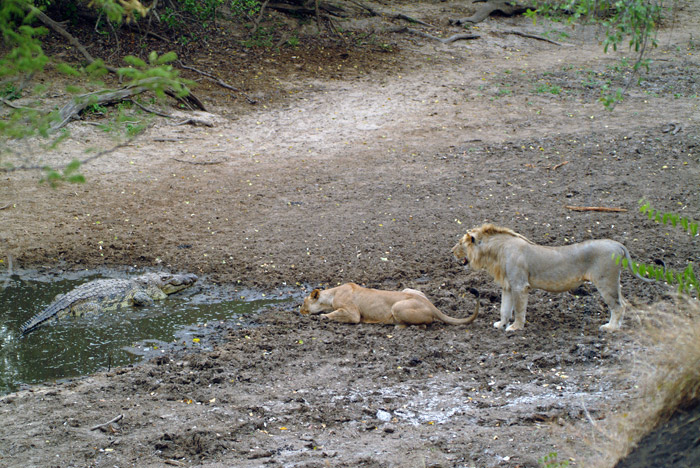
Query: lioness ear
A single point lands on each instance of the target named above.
(315, 293)
(472, 239)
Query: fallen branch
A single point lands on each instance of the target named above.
(100, 426)
(79, 103)
(596, 208)
(557, 166)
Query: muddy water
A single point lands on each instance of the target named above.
(76, 346)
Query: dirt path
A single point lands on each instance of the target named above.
(370, 178)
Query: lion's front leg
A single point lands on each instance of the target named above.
(344, 315)
(520, 309)
(506, 309)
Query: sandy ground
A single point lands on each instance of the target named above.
(369, 171)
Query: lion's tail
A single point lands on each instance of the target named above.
(629, 265)
(455, 321)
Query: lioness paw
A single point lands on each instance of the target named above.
(609, 327)
(498, 324)
(515, 327)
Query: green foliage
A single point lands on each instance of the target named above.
(246, 8)
(632, 20)
(157, 75)
(10, 92)
(544, 88)
(674, 219)
(686, 279)
(262, 37)
(551, 461)
(24, 59)
(69, 174)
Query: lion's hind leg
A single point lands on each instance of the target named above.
(609, 288)
(411, 312)
(520, 306)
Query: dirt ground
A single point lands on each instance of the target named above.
(366, 162)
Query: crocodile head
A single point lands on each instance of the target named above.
(167, 282)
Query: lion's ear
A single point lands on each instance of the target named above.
(472, 239)
(315, 293)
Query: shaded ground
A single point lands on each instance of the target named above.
(369, 176)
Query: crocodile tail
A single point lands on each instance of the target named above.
(31, 324)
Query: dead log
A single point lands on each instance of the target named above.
(503, 7)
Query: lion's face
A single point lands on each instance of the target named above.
(462, 248)
(312, 304)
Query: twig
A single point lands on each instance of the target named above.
(6, 206)
(211, 77)
(100, 426)
(194, 122)
(318, 17)
(219, 82)
(148, 109)
(157, 36)
(557, 166)
(412, 20)
(198, 163)
(530, 36)
(259, 18)
(596, 208)
(84, 161)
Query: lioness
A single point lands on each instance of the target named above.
(350, 303)
(517, 265)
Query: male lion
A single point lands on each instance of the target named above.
(351, 303)
(517, 264)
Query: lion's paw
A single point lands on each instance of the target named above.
(514, 327)
(498, 324)
(609, 327)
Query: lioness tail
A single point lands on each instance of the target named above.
(455, 321)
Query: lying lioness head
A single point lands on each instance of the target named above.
(351, 303)
(518, 265)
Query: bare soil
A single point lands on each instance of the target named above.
(366, 162)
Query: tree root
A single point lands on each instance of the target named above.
(504, 7)
(400, 16)
(447, 40)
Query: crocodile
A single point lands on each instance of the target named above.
(111, 294)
